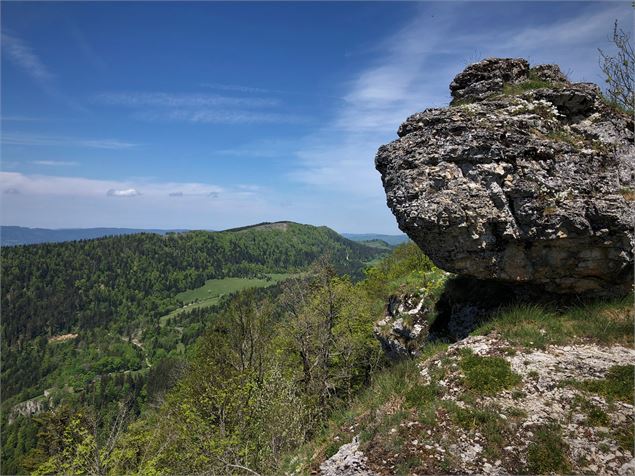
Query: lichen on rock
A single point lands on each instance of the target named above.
(524, 179)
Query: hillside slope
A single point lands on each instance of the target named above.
(111, 310)
(533, 391)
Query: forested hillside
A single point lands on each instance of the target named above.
(89, 322)
(272, 358)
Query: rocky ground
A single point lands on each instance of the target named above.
(548, 401)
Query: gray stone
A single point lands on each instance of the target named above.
(534, 188)
(403, 331)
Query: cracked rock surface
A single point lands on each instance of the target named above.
(348, 461)
(525, 178)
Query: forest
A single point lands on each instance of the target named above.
(90, 322)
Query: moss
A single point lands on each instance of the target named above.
(564, 136)
(547, 452)
(487, 375)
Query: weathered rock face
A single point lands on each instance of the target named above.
(404, 329)
(525, 178)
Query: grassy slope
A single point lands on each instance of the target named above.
(213, 290)
(397, 395)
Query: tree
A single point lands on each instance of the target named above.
(619, 70)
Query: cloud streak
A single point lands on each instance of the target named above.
(16, 139)
(55, 163)
(162, 99)
(23, 56)
(63, 201)
(200, 108)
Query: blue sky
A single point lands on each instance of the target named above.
(213, 115)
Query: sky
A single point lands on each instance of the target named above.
(210, 115)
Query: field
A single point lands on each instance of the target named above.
(214, 289)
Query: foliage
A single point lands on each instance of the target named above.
(619, 71)
(107, 298)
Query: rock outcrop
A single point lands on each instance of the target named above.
(404, 329)
(590, 432)
(526, 178)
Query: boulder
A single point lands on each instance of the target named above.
(526, 178)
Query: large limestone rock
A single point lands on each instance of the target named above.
(525, 178)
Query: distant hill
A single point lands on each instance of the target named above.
(19, 235)
(392, 240)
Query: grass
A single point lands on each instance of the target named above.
(487, 421)
(213, 290)
(547, 452)
(513, 89)
(602, 322)
(618, 384)
(595, 415)
(487, 375)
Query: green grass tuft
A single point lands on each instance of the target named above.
(547, 453)
(513, 89)
(487, 375)
(618, 384)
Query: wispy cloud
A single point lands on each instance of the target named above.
(56, 141)
(87, 50)
(239, 88)
(412, 70)
(55, 163)
(126, 192)
(200, 108)
(23, 56)
(162, 99)
(21, 119)
(212, 116)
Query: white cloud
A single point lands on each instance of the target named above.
(57, 141)
(200, 108)
(62, 201)
(24, 57)
(128, 192)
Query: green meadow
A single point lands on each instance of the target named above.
(214, 289)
